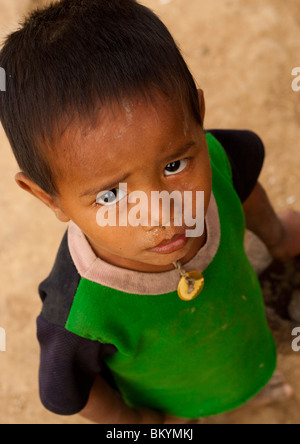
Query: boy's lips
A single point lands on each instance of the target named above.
(170, 245)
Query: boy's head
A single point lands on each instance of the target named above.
(97, 90)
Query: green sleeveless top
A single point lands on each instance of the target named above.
(189, 359)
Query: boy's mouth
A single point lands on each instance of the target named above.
(170, 245)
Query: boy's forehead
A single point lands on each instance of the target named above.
(133, 118)
(120, 133)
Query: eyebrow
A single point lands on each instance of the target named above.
(180, 152)
(95, 191)
(176, 155)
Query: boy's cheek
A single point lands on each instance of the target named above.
(115, 239)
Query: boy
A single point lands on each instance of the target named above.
(98, 96)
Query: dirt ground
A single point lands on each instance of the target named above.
(242, 54)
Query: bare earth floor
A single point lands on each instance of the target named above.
(242, 54)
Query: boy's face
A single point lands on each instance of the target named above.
(155, 146)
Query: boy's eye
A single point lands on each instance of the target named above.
(110, 197)
(176, 167)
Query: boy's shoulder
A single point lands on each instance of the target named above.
(58, 290)
(244, 152)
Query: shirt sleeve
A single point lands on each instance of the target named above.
(246, 154)
(69, 365)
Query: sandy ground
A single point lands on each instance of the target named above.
(242, 54)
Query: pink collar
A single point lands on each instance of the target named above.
(91, 267)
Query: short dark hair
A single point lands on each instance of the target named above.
(75, 56)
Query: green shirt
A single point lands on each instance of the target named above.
(188, 359)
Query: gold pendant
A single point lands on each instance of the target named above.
(191, 283)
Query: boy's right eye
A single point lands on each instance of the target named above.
(110, 197)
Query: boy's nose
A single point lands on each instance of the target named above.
(152, 228)
(162, 213)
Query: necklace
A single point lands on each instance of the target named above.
(191, 283)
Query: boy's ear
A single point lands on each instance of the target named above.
(31, 187)
(201, 103)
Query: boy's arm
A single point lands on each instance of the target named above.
(105, 406)
(280, 233)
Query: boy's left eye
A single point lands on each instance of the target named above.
(111, 197)
(176, 167)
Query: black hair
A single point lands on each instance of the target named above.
(76, 56)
